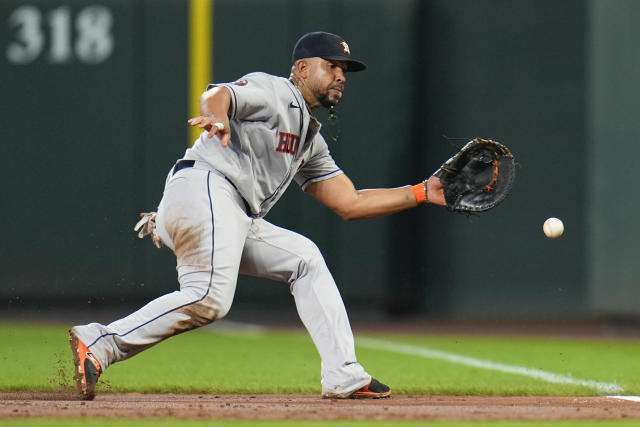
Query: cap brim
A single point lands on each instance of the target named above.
(352, 64)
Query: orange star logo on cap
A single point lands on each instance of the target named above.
(346, 48)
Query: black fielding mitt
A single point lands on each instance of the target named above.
(478, 177)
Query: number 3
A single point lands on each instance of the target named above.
(29, 37)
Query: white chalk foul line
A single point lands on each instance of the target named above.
(600, 387)
(631, 398)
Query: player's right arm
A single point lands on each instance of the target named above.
(215, 105)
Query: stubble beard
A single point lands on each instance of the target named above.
(326, 101)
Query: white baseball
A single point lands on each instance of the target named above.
(553, 228)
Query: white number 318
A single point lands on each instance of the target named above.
(93, 42)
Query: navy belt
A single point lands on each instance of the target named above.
(183, 164)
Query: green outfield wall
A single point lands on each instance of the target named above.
(95, 98)
(612, 229)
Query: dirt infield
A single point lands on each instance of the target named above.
(272, 406)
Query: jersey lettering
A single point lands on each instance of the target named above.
(287, 143)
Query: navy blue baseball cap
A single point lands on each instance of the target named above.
(327, 46)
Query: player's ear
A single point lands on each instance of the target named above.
(302, 68)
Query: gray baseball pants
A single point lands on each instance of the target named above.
(202, 219)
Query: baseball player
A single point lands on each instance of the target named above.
(259, 136)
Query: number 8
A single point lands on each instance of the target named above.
(95, 42)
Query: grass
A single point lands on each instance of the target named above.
(605, 361)
(37, 358)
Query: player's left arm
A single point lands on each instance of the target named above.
(339, 194)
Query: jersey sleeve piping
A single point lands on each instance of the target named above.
(234, 108)
(326, 176)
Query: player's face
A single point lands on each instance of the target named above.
(326, 80)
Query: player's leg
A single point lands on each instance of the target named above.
(200, 217)
(286, 256)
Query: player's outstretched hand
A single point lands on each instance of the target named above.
(214, 125)
(435, 191)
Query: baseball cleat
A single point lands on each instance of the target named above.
(374, 390)
(87, 367)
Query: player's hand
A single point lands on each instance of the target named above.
(435, 192)
(213, 125)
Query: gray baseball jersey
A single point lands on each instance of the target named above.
(274, 140)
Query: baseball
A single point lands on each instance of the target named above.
(553, 228)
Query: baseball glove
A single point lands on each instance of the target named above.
(478, 177)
